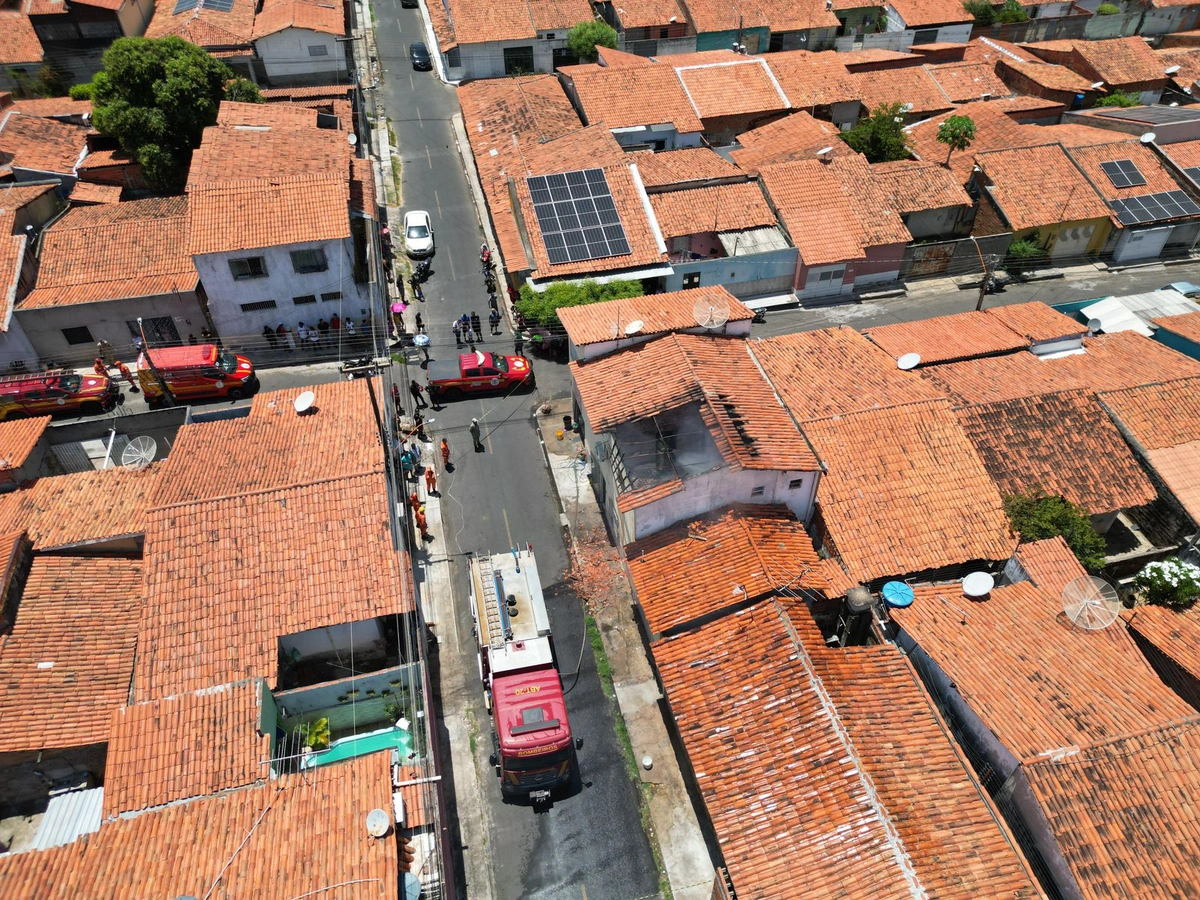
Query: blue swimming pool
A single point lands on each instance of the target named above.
(360, 744)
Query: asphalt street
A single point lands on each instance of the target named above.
(591, 844)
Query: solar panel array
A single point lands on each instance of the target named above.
(184, 6)
(577, 216)
(1123, 173)
(218, 5)
(1192, 172)
(1154, 207)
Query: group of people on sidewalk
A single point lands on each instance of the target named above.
(311, 337)
(468, 328)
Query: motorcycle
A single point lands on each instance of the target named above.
(363, 367)
(421, 272)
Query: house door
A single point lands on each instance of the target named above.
(824, 282)
(1145, 243)
(160, 331)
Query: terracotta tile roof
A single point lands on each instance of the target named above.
(1186, 325)
(835, 371)
(593, 146)
(42, 145)
(627, 96)
(945, 338)
(1022, 668)
(798, 136)
(313, 820)
(266, 115)
(274, 448)
(643, 243)
(1116, 62)
(248, 215)
(203, 26)
(906, 492)
(1112, 362)
(1036, 321)
(635, 499)
(219, 600)
(648, 13)
(680, 369)
(833, 211)
(1158, 177)
(814, 79)
(1038, 186)
(659, 313)
(994, 130)
(724, 207)
(12, 254)
(443, 30)
(870, 55)
(68, 660)
(1132, 787)
(829, 743)
(736, 88)
(102, 159)
(185, 746)
(919, 13)
(84, 192)
(1050, 564)
(691, 570)
(18, 438)
(911, 84)
(362, 187)
(15, 195)
(720, 15)
(512, 20)
(965, 81)
(914, 186)
(18, 41)
(68, 510)
(1064, 444)
(242, 153)
(306, 92)
(113, 251)
(1175, 632)
(310, 15)
(1184, 154)
(681, 166)
(1048, 75)
(53, 107)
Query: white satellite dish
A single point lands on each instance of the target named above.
(1148, 138)
(1096, 85)
(379, 823)
(139, 452)
(1094, 325)
(908, 361)
(824, 150)
(1091, 602)
(978, 584)
(711, 312)
(634, 327)
(1170, 70)
(352, 138)
(304, 402)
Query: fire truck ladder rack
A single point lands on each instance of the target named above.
(35, 376)
(497, 623)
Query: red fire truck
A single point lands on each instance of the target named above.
(533, 752)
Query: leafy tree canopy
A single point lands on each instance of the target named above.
(983, 12)
(1011, 13)
(541, 309)
(1037, 516)
(584, 38)
(156, 96)
(956, 132)
(1118, 98)
(880, 136)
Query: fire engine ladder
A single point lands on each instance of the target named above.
(493, 606)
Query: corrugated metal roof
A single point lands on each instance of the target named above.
(1133, 312)
(68, 817)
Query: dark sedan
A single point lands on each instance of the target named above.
(419, 54)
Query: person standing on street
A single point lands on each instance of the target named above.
(322, 330)
(302, 335)
(417, 391)
(445, 448)
(458, 337)
(99, 367)
(518, 344)
(104, 348)
(420, 324)
(476, 325)
(494, 320)
(430, 481)
(476, 435)
(128, 376)
(423, 524)
(269, 334)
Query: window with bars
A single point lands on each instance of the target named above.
(307, 298)
(332, 295)
(318, 50)
(248, 267)
(306, 261)
(257, 305)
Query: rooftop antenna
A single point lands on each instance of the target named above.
(139, 452)
(304, 402)
(825, 154)
(1094, 326)
(1148, 138)
(1090, 602)
(379, 823)
(711, 312)
(908, 361)
(1170, 70)
(634, 327)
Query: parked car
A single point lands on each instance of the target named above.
(477, 372)
(409, 4)
(418, 233)
(419, 54)
(1183, 287)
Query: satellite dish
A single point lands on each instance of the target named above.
(1096, 85)
(711, 313)
(824, 150)
(304, 402)
(634, 327)
(978, 584)
(352, 138)
(1090, 602)
(378, 823)
(908, 361)
(1170, 70)
(1148, 138)
(1094, 325)
(139, 452)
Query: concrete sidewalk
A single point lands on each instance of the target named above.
(675, 827)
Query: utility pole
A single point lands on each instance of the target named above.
(986, 264)
(168, 397)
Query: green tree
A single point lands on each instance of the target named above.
(540, 308)
(880, 136)
(584, 38)
(243, 91)
(982, 11)
(1036, 516)
(1169, 582)
(1011, 13)
(1024, 254)
(1107, 9)
(956, 132)
(1118, 98)
(156, 97)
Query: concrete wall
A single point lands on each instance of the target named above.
(287, 60)
(107, 320)
(636, 137)
(281, 284)
(1120, 25)
(955, 33)
(134, 16)
(487, 60)
(756, 40)
(1169, 20)
(744, 276)
(930, 223)
(881, 265)
(1164, 133)
(15, 347)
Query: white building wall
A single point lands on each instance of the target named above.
(15, 346)
(281, 284)
(134, 16)
(487, 60)
(286, 55)
(956, 33)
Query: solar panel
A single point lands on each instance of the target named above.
(577, 216)
(218, 5)
(1193, 172)
(184, 6)
(1154, 207)
(1123, 173)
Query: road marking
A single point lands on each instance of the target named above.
(399, 29)
(583, 891)
(437, 200)
(504, 512)
(428, 157)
